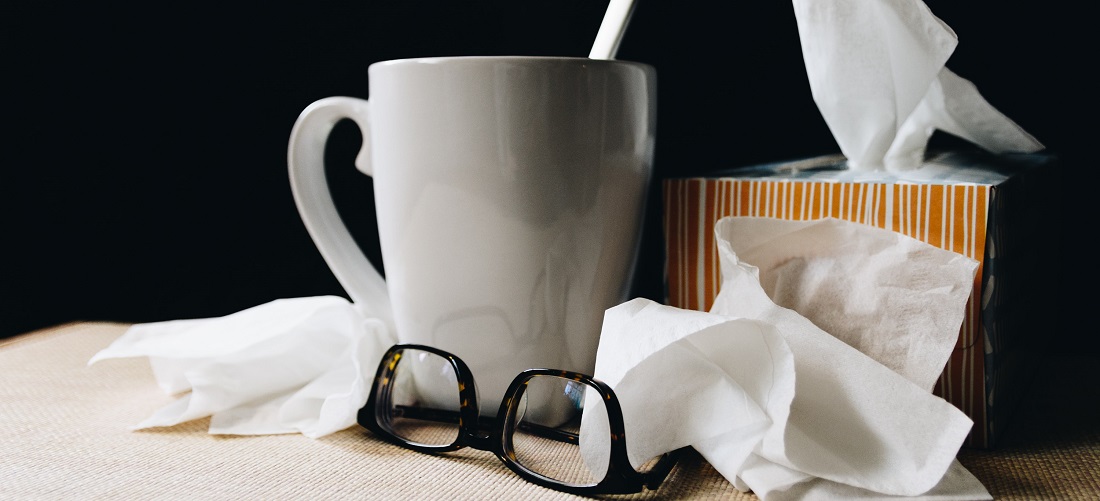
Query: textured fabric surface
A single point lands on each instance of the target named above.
(64, 435)
(1051, 448)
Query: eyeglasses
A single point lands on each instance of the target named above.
(425, 399)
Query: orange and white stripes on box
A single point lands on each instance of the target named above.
(951, 217)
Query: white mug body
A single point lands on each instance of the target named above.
(510, 194)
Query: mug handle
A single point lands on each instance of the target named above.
(306, 162)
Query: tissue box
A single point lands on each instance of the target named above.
(997, 209)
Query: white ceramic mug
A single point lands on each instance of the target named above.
(510, 195)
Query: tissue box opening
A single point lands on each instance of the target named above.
(997, 209)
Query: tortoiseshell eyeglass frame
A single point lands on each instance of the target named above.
(621, 477)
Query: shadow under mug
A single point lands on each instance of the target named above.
(510, 196)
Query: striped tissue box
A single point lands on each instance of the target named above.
(994, 209)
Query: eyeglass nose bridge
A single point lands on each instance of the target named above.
(488, 441)
(492, 435)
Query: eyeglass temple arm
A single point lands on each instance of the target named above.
(449, 416)
(655, 476)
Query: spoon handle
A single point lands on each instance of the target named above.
(611, 30)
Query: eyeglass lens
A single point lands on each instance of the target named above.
(424, 403)
(546, 434)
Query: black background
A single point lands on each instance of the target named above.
(144, 169)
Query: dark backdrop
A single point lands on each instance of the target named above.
(144, 170)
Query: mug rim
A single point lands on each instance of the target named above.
(507, 58)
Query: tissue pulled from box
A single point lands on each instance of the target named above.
(777, 404)
(877, 74)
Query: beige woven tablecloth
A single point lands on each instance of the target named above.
(64, 435)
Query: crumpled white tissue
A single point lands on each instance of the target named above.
(775, 403)
(299, 365)
(877, 73)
